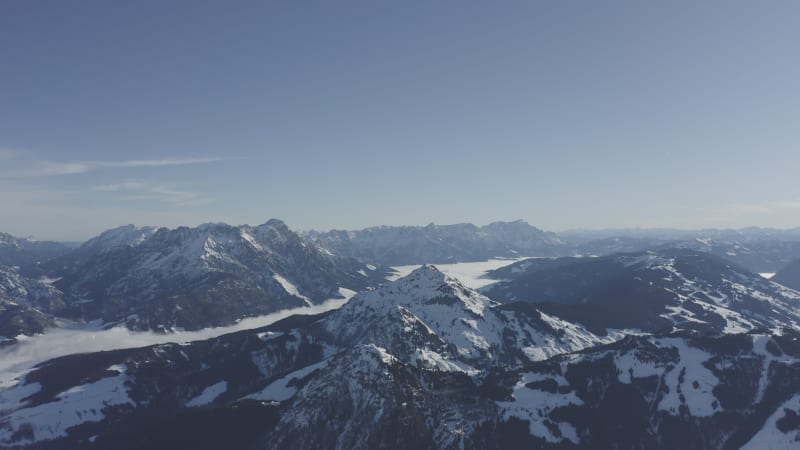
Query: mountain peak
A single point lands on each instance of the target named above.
(429, 269)
(276, 223)
(428, 276)
(423, 287)
(127, 235)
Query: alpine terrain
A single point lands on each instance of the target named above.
(425, 362)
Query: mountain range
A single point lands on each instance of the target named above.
(422, 362)
(649, 291)
(760, 250)
(438, 244)
(662, 343)
(216, 274)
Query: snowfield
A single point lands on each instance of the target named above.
(470, 274)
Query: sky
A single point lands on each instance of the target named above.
(347, 114)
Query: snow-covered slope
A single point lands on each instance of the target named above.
(396, 246)
(210, 275)
(660, 392)
(115, 238)
(431, 319)
(422, 362)
(651, 291)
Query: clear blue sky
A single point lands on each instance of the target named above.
(349, 114)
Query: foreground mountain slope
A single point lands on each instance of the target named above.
(422, 362)
(437, 244)
(650, 291)
(643, 392)
(275, 388)
(192, 278)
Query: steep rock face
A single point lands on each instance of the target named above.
(789, 276)
(650, 291)
(26, 304)
(206, 276)
(440, 243)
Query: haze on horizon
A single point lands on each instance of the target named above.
(594, 115)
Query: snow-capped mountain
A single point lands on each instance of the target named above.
(711, 358)
(210, 275)
(650, 291)
(759, 250)
(438, 244)
(427, 321)
(27, 305)
(287, 387)
(116, 238)
(431, 319)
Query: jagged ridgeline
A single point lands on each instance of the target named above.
(185, 278)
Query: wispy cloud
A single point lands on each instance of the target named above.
(157, 162)
(55, 168)
(767, 207)
(161, 192)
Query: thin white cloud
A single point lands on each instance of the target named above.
(55, 168)
(156, 162)
(769, 207)
(49, 169)
(162, 192)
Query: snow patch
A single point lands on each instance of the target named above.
(291, 289)
(770, 436)
(280, 390)
(689, 383)
(535, 406)
(471, 274)
(209, 394)
(434, 361)
(77, 405)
